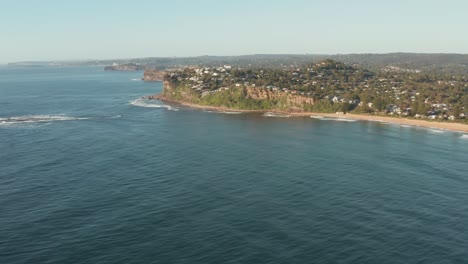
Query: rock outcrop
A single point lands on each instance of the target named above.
(153, 75)
(295, 101)
(277, 100)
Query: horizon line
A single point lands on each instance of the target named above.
(243, 55)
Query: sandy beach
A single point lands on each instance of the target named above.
(457, 127)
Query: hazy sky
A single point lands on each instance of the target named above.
(87, 29)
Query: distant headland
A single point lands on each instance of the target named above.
(125, 67)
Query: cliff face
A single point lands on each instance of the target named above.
(254, 98)
(294, 101)
(153, 76)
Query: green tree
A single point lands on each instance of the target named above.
(379, 104)
(456, 111)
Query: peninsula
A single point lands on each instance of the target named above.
(327, 87)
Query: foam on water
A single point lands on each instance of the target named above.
(36, 119)
(344, 119)
(464, 136)
(39, 118)
(270, 114)
(231, 113)
(339, 119)
(317, 117)
(145, 103)
(136, 79)
(436, 131)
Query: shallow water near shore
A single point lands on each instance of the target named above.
(90, 173)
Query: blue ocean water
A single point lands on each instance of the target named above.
(90, 174)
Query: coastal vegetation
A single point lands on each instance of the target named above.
(326, 86)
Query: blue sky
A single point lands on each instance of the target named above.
(88, 29)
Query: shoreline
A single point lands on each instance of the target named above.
(455, 127)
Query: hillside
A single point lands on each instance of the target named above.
(327, 86)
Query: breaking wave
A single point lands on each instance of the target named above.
(339, 119)
(231, 113)
(33, 119)
(136, 79)
(145, 103)
(464, 136)
(436, 131)
(317, 117)
(270, 114)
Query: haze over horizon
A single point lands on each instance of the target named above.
(55, 30)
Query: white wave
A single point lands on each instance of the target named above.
(136, 79)
(145, 103)
(318, 117)
(464, 136)
(405, 126)
(436, 131)
(339, 119)
(270, 114)
(377, 121)
(231, 113)
(4, 124)
(31, 119)
(345, 120)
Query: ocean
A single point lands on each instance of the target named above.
(90, 173)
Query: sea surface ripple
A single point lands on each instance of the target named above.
(112, 178)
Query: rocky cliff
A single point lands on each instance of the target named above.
(153, 75)
(246, 98)
(285, 101)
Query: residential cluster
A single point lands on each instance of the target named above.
(391, 91)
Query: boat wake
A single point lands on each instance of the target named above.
(151, 104)
(34, 119)
(339, 119)
(270, 114)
